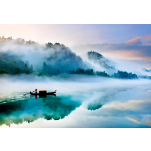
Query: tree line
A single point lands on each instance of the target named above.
(119, 74)
(11, 64)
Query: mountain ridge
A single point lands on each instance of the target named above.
(53, 59)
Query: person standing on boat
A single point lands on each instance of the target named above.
(36, 91)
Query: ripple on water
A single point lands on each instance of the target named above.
(11, 97)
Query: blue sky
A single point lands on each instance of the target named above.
(72, 34)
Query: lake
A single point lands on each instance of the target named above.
(81, 102)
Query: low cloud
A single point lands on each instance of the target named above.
(149, 42)
(135, 41)
(139, 40)
(137, 49)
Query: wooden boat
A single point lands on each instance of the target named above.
(43, 92)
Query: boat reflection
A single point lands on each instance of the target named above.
(40, 96)
(29, 110)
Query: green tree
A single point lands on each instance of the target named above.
(3, 71)
(104, 74)
(40, 74)
(57, 44)
(89, 72)
(17, 70)
(45, 67)
(58, 71)
(49, 45)
(27, 71)
(31, 69)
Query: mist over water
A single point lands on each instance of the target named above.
(81, 101)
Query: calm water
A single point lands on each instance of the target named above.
(82, 103)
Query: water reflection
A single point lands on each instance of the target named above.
(104, 104)
(40, 96)
(103, 97)
(28, 109)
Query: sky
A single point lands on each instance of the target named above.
(76, 34)
(116, 41)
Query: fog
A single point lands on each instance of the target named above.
(57, 57)
(90, 89)
(131, 66)
(102, 64)
(118, 56)
(26, 52)
(81, 99)
(65, 59)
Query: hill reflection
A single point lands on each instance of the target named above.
(29, 109)
(108, 95)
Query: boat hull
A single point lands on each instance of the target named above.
(49, 93)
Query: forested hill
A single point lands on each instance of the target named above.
(19, 56)
(99, 59)
(63, 59)
(11, 64)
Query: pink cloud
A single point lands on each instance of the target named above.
(129, 55)
(139, 40)
(134, 41)
(147, 37)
